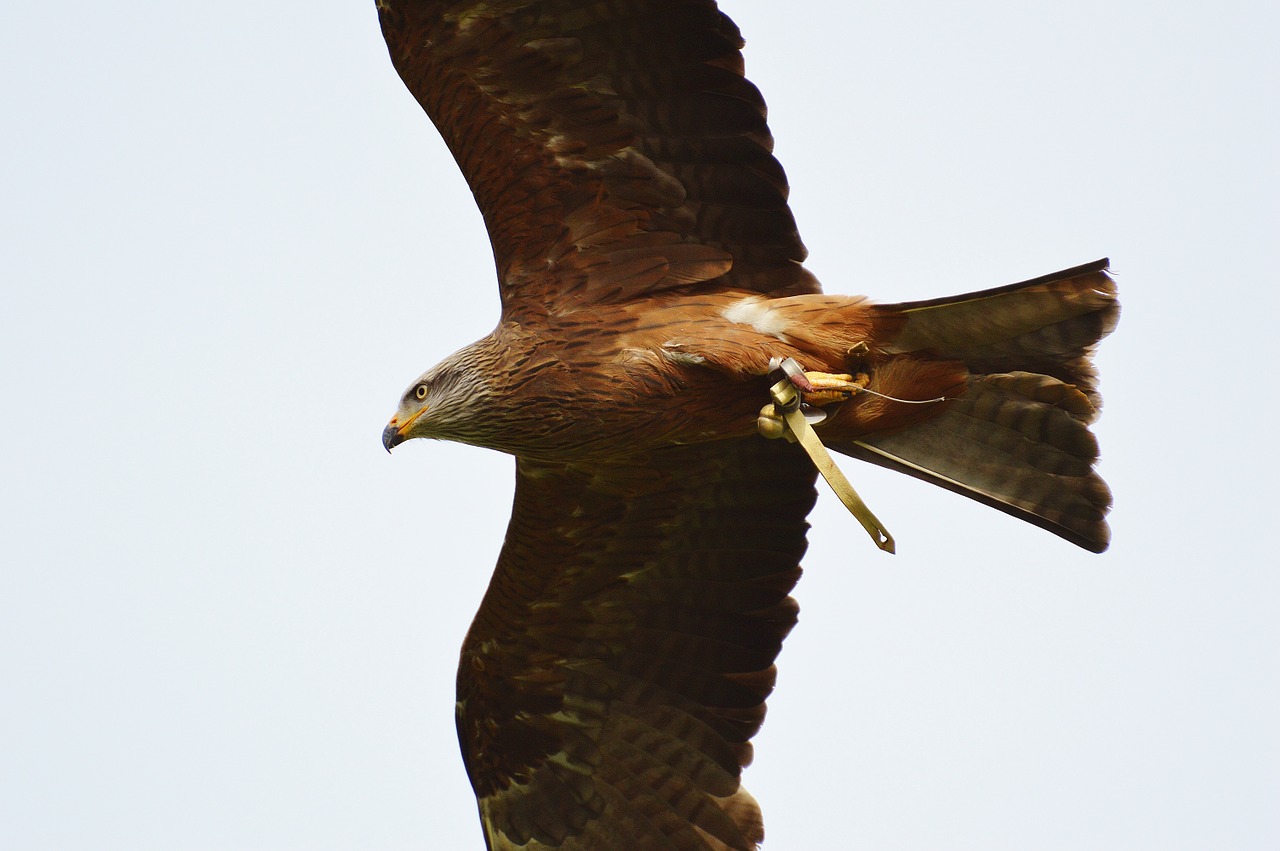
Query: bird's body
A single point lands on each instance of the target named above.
(651, 277)
(639, 375)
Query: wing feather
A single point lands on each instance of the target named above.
(617, 669)
(584, 128)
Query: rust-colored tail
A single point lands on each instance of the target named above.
(1017, 438)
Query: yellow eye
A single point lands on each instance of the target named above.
(421, 392)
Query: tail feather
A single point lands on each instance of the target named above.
(1048, 325)
(1017, 438)
(1019, 453)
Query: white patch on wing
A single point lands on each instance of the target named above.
(674, 351)
(757, 313)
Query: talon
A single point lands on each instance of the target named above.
(829, 380)
(821, 388)
(827, 387)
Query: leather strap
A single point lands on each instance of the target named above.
(786, 405)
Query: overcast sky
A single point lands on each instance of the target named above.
(229, 239)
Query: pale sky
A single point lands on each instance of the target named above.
(228, 620)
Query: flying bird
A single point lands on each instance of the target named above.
(655, 313)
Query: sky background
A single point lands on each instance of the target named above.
(229, 239)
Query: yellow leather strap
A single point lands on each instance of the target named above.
(786, 405)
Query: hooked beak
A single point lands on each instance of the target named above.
(391, 436)
(397, 432)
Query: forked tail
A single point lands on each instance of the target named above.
(1017, 438)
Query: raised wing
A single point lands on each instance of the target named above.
(614, 148)
(618, 666)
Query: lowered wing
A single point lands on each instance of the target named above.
(618, 666)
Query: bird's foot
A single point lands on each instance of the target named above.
(825, 388)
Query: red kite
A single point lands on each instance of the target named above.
(652, 280)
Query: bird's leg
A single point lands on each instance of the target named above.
(826, 387)
(822, 388)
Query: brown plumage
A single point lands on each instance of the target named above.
(650, 269)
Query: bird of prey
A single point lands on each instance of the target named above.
(652, 283)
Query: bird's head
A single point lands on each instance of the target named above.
(411, 418)
(447, 402)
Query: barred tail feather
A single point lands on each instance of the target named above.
(1048, 325)
(1018, 437)
(1007, 443)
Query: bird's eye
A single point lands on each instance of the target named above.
(421, 391)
